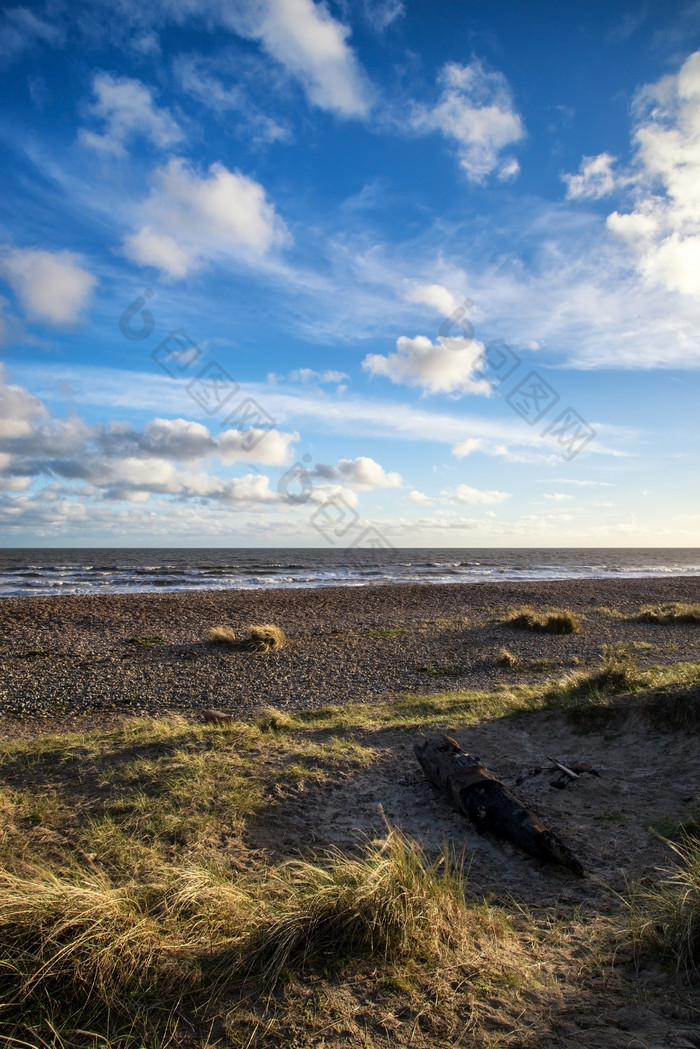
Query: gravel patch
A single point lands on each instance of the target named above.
(75, 661)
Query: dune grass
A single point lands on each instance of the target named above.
(671, 612)
(222, 635)
(507, 659)
(84, 948)
(666, 915)
(129, 897)
(265, 637)
(261, 637)
(554, 621)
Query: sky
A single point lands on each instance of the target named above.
(349, 273)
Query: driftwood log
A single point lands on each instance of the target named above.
(487, 802)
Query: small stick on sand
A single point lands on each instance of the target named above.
(574, 775)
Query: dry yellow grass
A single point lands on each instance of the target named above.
(666, 916)
(265, 637)
(555, 621)
(260, 637)
(507, 659)
(222, 635)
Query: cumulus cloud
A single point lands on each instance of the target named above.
(19, 410)
(118, 461)
(476, 112)
(126, 108)
(433, 295)
(147, 247)
(312, 46)
(420, 498)
(475, 496)
(445, 366)
(595, 179)
(269, 448)
(363, 472)
(663, 229)
(51, 286)
(189, 219)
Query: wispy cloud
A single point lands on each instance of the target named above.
(126, 109)
(312, 45)
(475, 111)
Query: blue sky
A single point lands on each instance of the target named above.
(283, 272)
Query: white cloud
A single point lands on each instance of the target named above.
(420, 498)
(51, 286)
(558, 497)
(356, 417)
(475, 496)
(118, 461)
(363, 472)
(19, 411)
(475, 110)
(126, 107)
(269, 448)
(446, 366)
(367, 473)
(190, 218)
(596, 178)
(312, 46)
(464, 448)
(433, 295)
(148, 248)
(663, 229)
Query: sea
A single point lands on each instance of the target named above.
(45, 572)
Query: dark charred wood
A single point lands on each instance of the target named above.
(488, 803)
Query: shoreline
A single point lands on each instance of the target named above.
(100, 658)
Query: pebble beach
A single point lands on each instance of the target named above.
(77, 661)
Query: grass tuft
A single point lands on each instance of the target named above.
(390, 901)
(507, 659)
(272, 720)
(79, 936)
(556, 621)
(677, 709)
(265, 637)
(665, 614)
(222, 635)
(666, 917)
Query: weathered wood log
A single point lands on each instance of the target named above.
(487, 802)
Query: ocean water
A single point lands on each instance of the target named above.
(119, 571)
